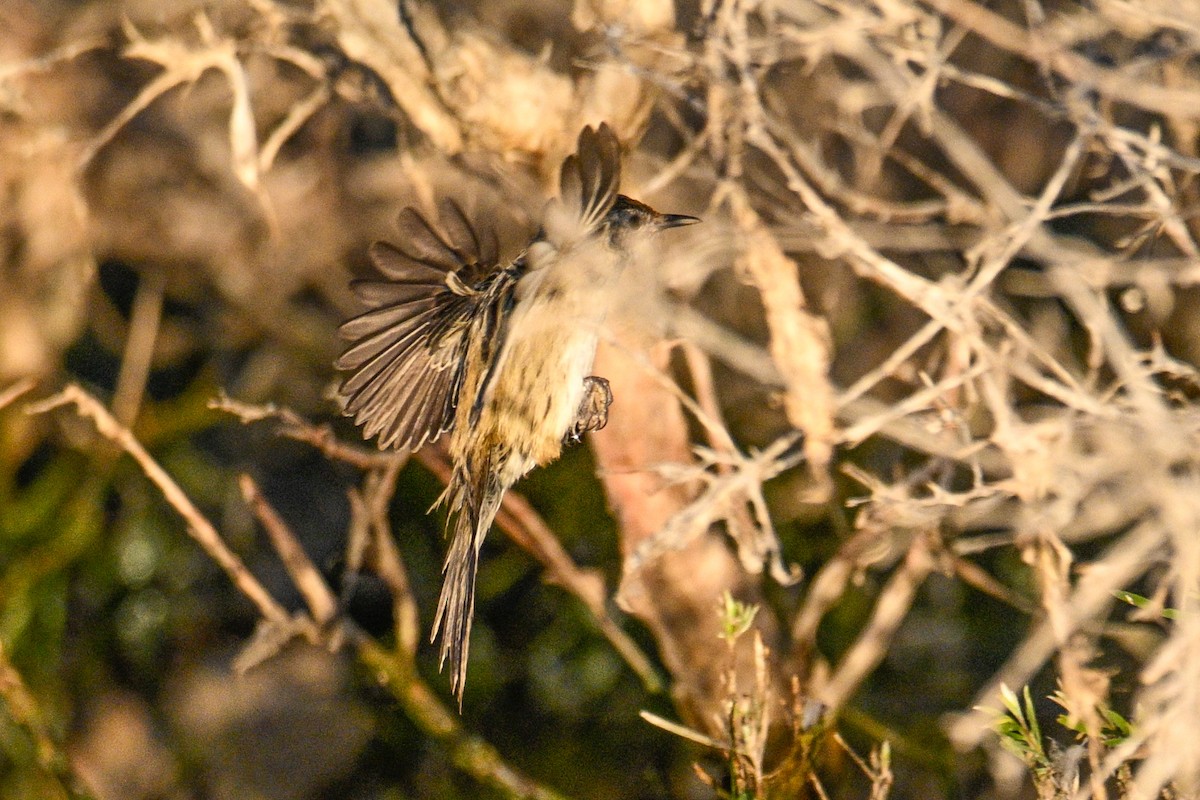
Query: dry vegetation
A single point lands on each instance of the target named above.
(908, 426)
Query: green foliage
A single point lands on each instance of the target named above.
(736, 618)
(1138, 601)
(1019, 732)
(1021, 735)
(1115, 731)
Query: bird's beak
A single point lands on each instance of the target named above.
(676, 220)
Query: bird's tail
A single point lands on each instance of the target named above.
(474, 495)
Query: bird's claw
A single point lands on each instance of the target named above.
(593, 409)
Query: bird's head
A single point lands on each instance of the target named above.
(628, 215)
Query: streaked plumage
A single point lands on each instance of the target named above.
(497, 354)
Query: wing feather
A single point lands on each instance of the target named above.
(390, 334)
(591, 177)
(422, 243)
(459, 230)
(397, 265)
(381, 403)
(406, 354)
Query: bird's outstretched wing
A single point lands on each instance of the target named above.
(407, 358)
(591, 177)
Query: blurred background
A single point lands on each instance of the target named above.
(909, 417)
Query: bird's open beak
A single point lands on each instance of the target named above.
(676, 220)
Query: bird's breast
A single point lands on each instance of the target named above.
(535, 396)
(549, 346)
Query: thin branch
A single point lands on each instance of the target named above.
(890, 610)
(15, 390)
(1035, 46)
(22, 709)
(293, 426)
(144, 319)
(197, 525)
(322, 603)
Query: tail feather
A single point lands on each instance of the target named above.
(475, 499)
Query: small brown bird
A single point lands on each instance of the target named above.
(497, 353)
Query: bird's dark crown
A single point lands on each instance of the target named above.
(629, 213)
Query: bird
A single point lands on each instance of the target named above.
(497, 353)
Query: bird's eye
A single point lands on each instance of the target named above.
(630, 218)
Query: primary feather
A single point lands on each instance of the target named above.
(406, 360)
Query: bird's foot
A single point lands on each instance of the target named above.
(593, 409)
